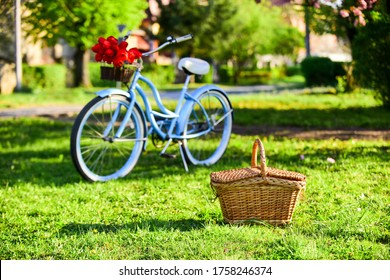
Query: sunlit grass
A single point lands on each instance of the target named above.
(355, 110)
(161, 212)
(47, 97)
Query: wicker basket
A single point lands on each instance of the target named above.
(258, 193)
(119, 74)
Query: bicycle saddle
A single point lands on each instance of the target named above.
(192, 66)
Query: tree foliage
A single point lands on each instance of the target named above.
(230, 30)
(366, 25)
(256, 30)
(206, 21)
(342, 18)
(371, 54)
(80, 23)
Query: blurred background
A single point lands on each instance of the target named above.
(341, 44)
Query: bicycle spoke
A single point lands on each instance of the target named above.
(96, 162)
(98, 121)
(222, 118)
(100, 157)
(211, 121)
(87, 148)
(119, 149)
(92, 132)
(89, 156)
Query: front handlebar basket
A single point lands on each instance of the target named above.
(119, 74)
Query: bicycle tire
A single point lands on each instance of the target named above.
(99, 158)
(208, 148)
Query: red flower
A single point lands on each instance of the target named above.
(130, 57)
(107, 59)
(96, 48)
(136, 52)
(109, 51)
(98, 57)
(106, 44)
(123, 45)
(122, 53)
(112, 40)
(118, 62)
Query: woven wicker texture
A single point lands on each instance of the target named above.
(258, 192)
(116, 74)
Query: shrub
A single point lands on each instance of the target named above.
(339, 69)
(293, 70)
(44, 76)
(254, 77)
(319, 71)
(160, 75)
(206, 79)
(225, 74)
(371, 56)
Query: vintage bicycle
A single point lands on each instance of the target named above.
(111, 131)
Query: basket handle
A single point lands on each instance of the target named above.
(263, 167)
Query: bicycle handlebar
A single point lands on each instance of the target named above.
(184, 38)
(170, 40)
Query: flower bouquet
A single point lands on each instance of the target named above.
(109, 51)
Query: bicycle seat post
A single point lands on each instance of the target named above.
(177, 111)
(182, 94)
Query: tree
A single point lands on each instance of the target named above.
(366, 26)
(342, 18)
(370, 50)
(229, 30)
(206, 20)
(80, 24)
(256, 30)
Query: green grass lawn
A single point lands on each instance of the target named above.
(161, 212)
(47, 97)
(326, 111)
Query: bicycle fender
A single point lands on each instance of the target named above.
(110, 91)
(188, 104)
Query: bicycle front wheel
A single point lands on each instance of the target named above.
(96, 153)
(207, 128)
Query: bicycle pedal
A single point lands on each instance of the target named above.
(168, 155)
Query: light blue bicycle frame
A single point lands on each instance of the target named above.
(184, 103)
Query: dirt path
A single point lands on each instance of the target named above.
(301, 133)
(67, 113)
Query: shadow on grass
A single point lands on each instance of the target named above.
(28, 131)
(54, 167)
(149, 225)
(333, 118)
(45, 168)
(25, 159)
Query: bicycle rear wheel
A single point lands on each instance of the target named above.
(96, 153)
(212, 119)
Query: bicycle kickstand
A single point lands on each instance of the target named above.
(182, 156)
(163, 154)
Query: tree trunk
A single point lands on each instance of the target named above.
(81, 71)
(236, 72)
(307, 31)
(351, 83)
